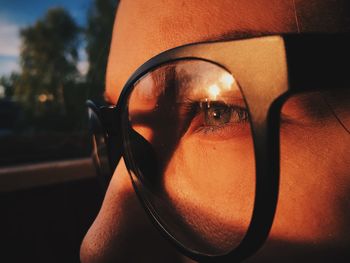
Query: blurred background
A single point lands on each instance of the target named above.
(53, 56)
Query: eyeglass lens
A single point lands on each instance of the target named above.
(191, 148)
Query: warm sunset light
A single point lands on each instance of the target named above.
(42, 98)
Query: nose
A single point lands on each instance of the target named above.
(122, 232)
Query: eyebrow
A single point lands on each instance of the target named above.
(240, 34)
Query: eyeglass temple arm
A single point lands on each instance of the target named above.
(110, 119)
(314, 62)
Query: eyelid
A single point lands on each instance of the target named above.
(190, 105)
(228, 100)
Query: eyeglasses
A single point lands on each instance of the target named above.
(201, 122)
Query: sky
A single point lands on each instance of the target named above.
(15, 14)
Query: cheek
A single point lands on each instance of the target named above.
(211, 185)
(314, 184)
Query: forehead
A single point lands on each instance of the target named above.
(144, 28)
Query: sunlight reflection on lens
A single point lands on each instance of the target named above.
(227, 80)
(214, 91)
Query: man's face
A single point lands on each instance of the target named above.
(314, 183)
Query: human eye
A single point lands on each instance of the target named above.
(217, 120)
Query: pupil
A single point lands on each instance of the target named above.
(217, 114)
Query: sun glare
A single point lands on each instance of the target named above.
(227, 80)
(214, 91)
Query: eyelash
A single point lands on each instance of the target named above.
(197, 111)
(242, 118)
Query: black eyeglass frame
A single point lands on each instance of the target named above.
(269, 69)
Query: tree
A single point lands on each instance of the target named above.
(9, 83)
(49, 87)
(98, 36)
(48, 62)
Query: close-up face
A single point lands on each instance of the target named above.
(194, 120)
